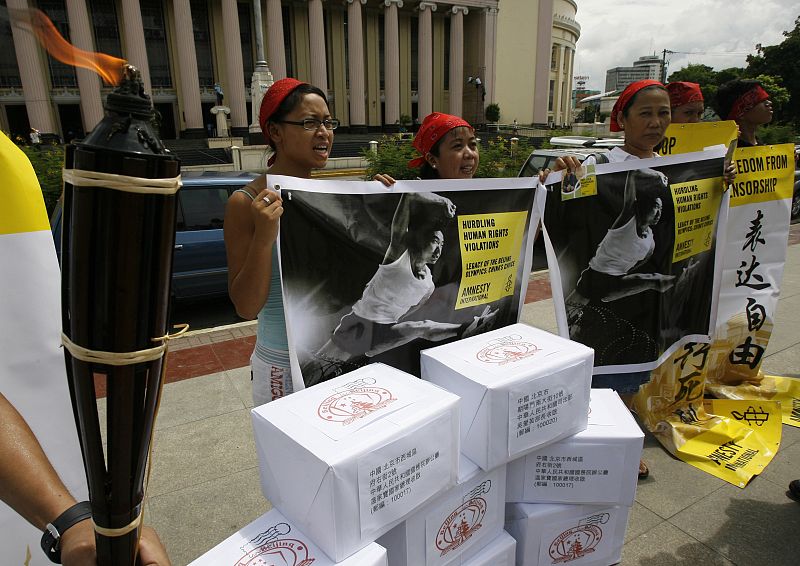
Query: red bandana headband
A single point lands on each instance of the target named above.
(433, 128)
(747, 102)
(681, 93)
(625, 97)
(269, 104)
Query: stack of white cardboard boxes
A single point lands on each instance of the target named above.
(425, 467)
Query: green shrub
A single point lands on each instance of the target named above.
(776, 133)
(493, 113)
(497, 158)
(47, 161)
(392, 158)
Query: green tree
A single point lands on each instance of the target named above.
(708, 79)
(782, 60)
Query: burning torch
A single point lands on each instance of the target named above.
(117, 242)
(118, 237)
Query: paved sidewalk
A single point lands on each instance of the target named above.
(204, 483)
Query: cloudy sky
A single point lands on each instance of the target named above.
(718, 33)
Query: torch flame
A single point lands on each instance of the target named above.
(110, 68)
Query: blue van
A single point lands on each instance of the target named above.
(199, 266)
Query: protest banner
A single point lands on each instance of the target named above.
(633, 261)
(671, 404)
(32, 373)
(376, 275)
(697, 136)
(755, 255)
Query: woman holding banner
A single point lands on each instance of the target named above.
(298, 126)
(642, 112)
(746, 102)
(448, 149)
(686, 102)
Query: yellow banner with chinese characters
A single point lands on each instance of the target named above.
(489, 253)
(686, 138)
(715, 437)
(755, 252)
(731, 440)
(736, 444)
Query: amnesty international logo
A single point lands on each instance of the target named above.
(578, 541)
(505, 350)
(353, 401)
(268, 548)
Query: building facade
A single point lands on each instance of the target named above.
(382, 62)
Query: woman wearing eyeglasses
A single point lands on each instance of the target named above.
(298, 127)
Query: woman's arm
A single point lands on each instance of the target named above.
(251, 228)
(629, 199)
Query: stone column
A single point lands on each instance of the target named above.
(33, 75)
(457, 59)
(187, 67)
(544, 42)
(80, 34)
(391, 54)
(134, 46)
(355, 64)
(234, 89)
(490, 35)
(425, 60)
(275, 51)
(316, 41)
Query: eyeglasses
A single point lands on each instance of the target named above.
(312, 124)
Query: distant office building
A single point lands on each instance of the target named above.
(647, 67)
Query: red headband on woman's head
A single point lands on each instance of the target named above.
(272, 99)
(625, 97)
(747, 102)
(681, 93)
(433, 128)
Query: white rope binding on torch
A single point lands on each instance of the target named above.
(82, 178)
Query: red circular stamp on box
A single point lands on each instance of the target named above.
(574, 543)
(354, 403)
(460, 525)
(508, 349)
(287, 551)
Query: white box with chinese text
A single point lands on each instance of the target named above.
(521, 388)
(501, 551)
(348, 459)
(598, 465)
(272, 539)
(582, 535)
(454, 525)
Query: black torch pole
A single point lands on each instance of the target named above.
(116, 269)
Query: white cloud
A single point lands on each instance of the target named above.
(717, 33)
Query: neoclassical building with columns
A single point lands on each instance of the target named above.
(380, 61)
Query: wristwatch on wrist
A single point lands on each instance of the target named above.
(51, 538)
